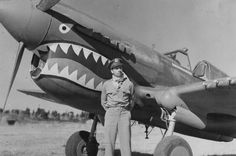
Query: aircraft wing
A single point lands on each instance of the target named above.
(197, 102)
(40, 94)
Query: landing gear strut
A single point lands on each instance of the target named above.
(92, 145)
(171, 127)
(83, 143)
(172, 145)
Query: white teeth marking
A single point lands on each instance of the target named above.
(73, 76)
(43, 48)
(65, 72)
(64, 47)
(82, 80)
(90, 84)
(53, 47)
(45, 68)
(96, 56)
(54, 69)
(76, 49)
(104, 60)
(99, 86)
(86, 52)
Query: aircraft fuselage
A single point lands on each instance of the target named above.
(74, 60)
(72, 51)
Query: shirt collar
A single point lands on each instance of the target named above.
(118, 79)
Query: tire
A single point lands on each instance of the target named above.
(76, 144)
(173, 146)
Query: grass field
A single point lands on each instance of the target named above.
(48, 139)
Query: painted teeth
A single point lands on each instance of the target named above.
(54, 69)
(45, 68)
(90, 84)
(65, 72)
(77, 49)
(82, 80)
(99, 86)
(96, 56)
(86, 52)
(53, 47)
(64, 47)
(73, 76)
(104, 60)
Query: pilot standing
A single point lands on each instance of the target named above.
(117, 100)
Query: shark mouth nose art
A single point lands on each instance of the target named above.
(72, 62)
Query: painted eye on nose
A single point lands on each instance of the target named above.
(64, 28)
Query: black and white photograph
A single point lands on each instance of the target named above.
(117, 78)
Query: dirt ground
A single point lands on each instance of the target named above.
(49, 138)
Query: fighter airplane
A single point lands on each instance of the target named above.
(71, 51)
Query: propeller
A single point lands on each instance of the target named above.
(20, 52)
(44, 5)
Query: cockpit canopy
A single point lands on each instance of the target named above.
(205, 70)
(180, 57)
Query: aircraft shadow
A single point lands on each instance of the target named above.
(224, 155)
(117, 153)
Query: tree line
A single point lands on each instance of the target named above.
(42, 114)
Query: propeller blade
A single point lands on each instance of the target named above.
(21, 49)
(44, 5)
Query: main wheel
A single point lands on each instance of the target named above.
(173, 146)
(76, 144)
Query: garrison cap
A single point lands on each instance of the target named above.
(116, 62)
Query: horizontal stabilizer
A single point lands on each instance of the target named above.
(40, 94)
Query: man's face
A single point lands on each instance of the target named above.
(117, 71)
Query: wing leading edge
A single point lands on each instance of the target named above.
(208, 105)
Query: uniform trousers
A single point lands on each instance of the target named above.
(117, 120)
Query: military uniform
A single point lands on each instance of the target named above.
(116, 99)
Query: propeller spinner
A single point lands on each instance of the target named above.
(27, 24)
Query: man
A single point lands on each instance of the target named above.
(117, 100)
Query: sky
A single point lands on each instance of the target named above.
(206, 28)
